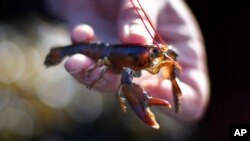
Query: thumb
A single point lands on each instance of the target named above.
(130, 26)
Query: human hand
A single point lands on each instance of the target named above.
(176, 25)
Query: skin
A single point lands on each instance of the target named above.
(117, 22)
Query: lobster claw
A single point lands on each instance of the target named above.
(139, 100)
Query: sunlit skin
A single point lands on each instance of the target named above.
(118, 22)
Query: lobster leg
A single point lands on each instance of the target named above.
(138, 98)
(155, 69)
(100, 77)
(170, 74)
(100, 63)
(177, 94)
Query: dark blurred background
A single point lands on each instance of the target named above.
(225, 27)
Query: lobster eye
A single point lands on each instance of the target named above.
(155, 51)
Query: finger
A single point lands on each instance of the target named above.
(77, 63)
(82, 33)
(130, 27)
(77, 66)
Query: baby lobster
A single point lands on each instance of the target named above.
(128, 60)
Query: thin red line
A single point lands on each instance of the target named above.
(157, 34)
(145, 23)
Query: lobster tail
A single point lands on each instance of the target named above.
(92, 50)
(54, 57)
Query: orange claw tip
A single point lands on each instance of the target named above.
(156, 126)
(150, 120)
(159, 102)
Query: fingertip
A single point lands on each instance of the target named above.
(77, 63)
(82, 33)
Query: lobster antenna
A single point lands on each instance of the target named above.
(144, 22)
(157, 33)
